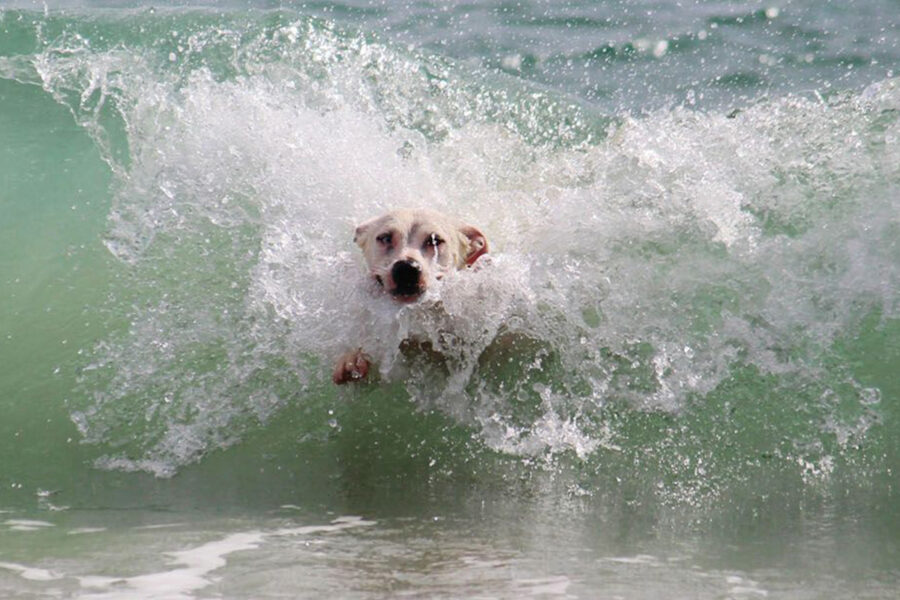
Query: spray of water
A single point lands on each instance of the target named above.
(635, 262)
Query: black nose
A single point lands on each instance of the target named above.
(405, 274)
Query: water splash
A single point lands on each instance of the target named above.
(637, 262)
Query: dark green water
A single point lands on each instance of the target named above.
(676, 377)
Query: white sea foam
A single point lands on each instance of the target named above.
(85, 530)
(27, 524)
(30, 573)
(174, 584)
(195, 565)
(643, 266)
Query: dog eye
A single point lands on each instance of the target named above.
(433, 240)
(385, 238)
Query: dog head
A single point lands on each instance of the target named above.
(407, 249)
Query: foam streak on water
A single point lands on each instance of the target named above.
(192, 568)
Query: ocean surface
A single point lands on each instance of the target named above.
(676, 374)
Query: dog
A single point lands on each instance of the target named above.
(405, 252)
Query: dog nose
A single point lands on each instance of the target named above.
(405, 274)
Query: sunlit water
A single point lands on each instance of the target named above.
(674, 375)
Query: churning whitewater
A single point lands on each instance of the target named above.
(637, 260)
(673, 374)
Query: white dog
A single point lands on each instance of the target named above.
(405, 251)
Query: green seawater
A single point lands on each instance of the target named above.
(676, 376)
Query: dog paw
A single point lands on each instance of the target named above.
(352, 366)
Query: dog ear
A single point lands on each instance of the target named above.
(478, 244)
(359, 234)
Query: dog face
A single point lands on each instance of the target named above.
(405, 250)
